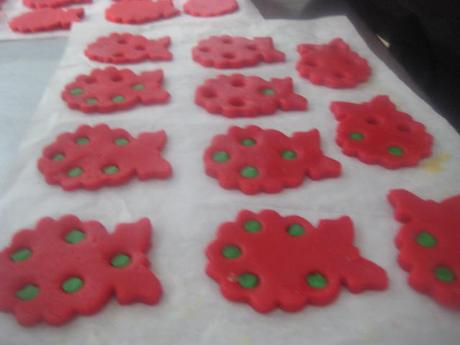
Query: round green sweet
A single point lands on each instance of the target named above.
(75, 172)
(58, 157)
(295, 230)
(76, 91)
(356, 136)
(82, 140)
(121, 141)
(444, 274)
(248, 142)
(248, 280)
(120, 260)
(138, 87)
(21, 254)
(27, 292)
(289, 154)
(268, 91)
(91, 101)
(118, 99)
(220, 156)
(252, 226)
(316, 280)
(231, 251)
(72, 285)
(74, 236)
(249, 172)
(395, 151)
(111, 169)
(425, 239)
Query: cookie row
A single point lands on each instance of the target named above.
(261, 258)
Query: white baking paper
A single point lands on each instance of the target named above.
(187, 209)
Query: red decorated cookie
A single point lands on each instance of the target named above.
(67, 267)
(111, 89)
(255, 160)
(140, 11)
(237, 95)
(53, 3)
(377, 133)
(210, 8)
(46, 19)
(271, 261)
(334, 64)
(429, 244)
(235, 52)
(98, 156)
(127, 48)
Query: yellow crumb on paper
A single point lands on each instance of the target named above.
(245, 340)
(436, 163)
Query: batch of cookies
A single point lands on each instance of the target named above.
(261, 258)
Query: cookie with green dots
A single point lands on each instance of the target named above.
(257, 160)
(376, 132)
(112, 89)
(270, 261)
(65, 267)
(428, 243)
(93, 157)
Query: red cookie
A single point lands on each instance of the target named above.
(98, 156)
(46, 19)
(140, 11)
(53, 3)
(237, 95)
(429, 244)
(111, 89)
(271, 261)
(235, 52)
(377, 133)
(127, 48)
(67, 267)
(210, 8)
(255, 160)
(334, 64)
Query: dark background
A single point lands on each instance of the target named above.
(424, 39)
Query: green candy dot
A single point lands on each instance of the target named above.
(120, 260)
(289, 154)
(316, 280)
(121, 141)
(27, 292)
(248, 142)
(248, 280)
(82, 141)
(21, 254)
(111, 169)
(295, 230)
(138, 87)
(444, 274)
(252, 226)
(356, 136)
(220, 156)
(74, 172)
(231, 252)
(76, 91)
(91, 101)
(395, 151)
(72, 285)
(268, 91)
(74, 236)
(58, 157)
(425, 239)
(249, 172)
(118, 99)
